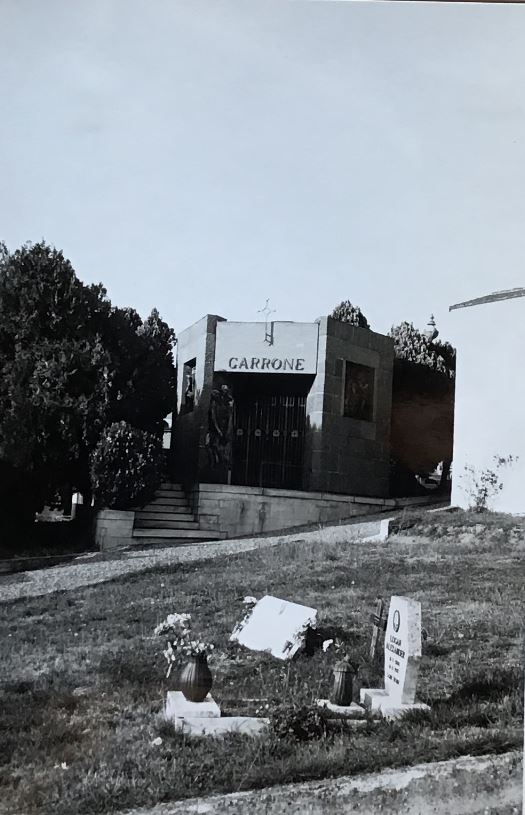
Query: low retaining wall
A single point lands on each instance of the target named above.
(246, 511)
(113, 529)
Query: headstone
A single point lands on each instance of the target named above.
(276, 626)
(402, 658)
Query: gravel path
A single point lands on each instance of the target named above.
(88, 570)
(98, 568)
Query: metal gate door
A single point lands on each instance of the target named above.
(268, 441)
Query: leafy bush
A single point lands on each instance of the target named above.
(126, 467)
(482, 487)
(347, 313)
(297, 721)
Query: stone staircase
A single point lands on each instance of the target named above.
(168, 519)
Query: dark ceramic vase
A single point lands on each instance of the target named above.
(342, 693)
(196, 679)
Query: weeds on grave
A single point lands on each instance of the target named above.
(297, 721)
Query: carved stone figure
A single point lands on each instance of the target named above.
(220, 426)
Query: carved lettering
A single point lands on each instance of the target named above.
(398, 651)
(265, 364)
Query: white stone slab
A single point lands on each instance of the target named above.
(378, 700)
(242, 347)
(397, 711)
(352, 711)
(244, 725)
(402, 649)
(373, 698)
(178, 707)
(381, 534)
(276, 626)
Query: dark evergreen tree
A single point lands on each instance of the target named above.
(70, 364)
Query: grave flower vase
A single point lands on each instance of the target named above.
(196, 679)
(342, 693)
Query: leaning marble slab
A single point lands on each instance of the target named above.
(275, 626)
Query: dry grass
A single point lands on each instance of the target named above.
(98, 640)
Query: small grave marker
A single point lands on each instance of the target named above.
(276, 626)
(379, 625)
(402, 658)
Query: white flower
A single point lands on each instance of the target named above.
(156, 742)
(249, 601)
(327, 644)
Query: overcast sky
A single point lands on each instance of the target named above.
(203, 156)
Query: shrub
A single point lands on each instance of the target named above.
(126, 467)
(482, 487)
(297, 721)
(347, 313)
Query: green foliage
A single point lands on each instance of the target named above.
(70, 364)
(143, 383)
(412, 345)
(126, 467)
(482, 487)
(297, 721)
(347, 313)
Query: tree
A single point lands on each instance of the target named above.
(347, 313)
(70, 364)
(143, 386)
(412, 345)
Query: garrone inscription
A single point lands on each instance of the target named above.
(265, 364)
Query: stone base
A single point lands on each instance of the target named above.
(178, 707)
(397, 711)
(378, 700)
(352, 711)
(244, 725)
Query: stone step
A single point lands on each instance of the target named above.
(173, 495)
(162, 514)
(165, 505)
(148, 523)
(186, 535)
(168, 485)
(168, 501)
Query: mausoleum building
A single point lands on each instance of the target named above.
(284, 406)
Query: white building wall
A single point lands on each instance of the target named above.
(490, 397)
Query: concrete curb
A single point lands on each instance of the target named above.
(464, 786)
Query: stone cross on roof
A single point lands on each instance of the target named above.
(268, 334)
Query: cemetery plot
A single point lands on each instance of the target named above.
(83, 687)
